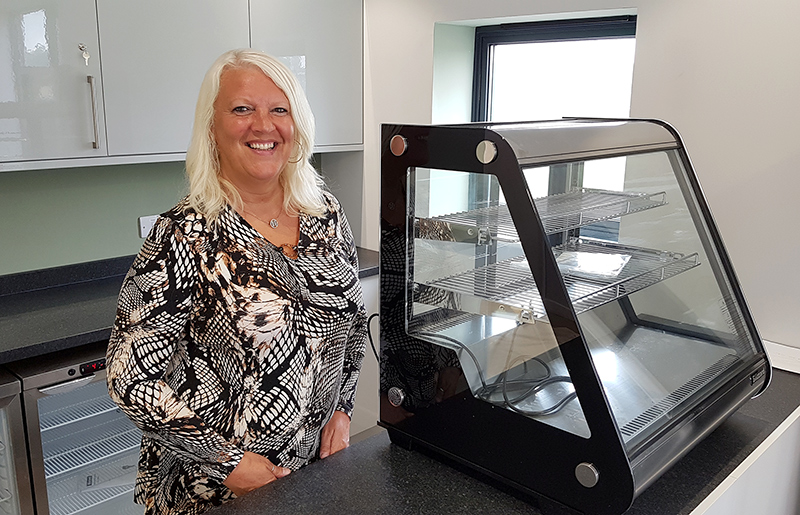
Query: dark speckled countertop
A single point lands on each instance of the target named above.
(60, 308)
(376, 477)
(55, 309)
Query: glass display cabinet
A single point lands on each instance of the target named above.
(558, 311)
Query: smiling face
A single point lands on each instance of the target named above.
(253, 129)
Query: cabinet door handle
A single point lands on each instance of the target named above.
(96, 142)
(65, 387)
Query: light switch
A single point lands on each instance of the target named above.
(146, 224)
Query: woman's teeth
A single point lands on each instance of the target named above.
(262, 146)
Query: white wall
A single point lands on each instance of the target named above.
(726, 74)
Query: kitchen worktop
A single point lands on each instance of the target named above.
(375, 476)
(54, 309)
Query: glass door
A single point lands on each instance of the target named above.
(645, 279)
(15, 494)
(89, 449)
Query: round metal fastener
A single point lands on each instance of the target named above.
(396, 396)
(486, 151)
(587, 474)
(398, 145)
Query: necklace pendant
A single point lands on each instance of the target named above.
(273, 223)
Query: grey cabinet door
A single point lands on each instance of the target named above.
(51, 98)
(322, 42)
(155, 54)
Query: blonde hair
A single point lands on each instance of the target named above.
(209, 192)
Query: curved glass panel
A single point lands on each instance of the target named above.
(474, 298)
(645, 279)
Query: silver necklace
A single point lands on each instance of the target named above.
(272, 223)
(287, 249)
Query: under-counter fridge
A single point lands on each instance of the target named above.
(558, 310)
(83, 450)
(15, 492)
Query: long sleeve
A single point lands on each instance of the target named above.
(155, 304)
(357, 334)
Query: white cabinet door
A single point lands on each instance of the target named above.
(366, 411)
(155, 54)
(48, 106)
(321, 41)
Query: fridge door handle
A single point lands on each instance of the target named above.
(66, 387)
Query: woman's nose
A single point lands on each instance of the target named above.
(263, 121)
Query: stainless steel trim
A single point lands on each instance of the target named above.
(96, 142)
(587, 474)
(13, 407)
(66, 387)
(486, 151)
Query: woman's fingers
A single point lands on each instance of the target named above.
(253, 471)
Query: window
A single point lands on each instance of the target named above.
(553, 69)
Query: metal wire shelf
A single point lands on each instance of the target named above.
(75, 450)
(96, 402)
(510, 282)
(560, 212)
(78, 493)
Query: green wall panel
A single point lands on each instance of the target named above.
(58, 217)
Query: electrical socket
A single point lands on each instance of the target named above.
(146, 224)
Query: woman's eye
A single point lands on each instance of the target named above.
(280, 110)
(241, 109)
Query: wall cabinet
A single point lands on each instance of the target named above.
(59, 110)
(152, 76)
(51, 98)
(321, 42)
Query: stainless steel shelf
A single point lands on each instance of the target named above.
(510, 283)
(98, 488)
(89, 451)
(558, 213)
(93, 401)
(74, 450)
(645, 268)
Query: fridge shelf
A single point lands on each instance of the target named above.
(96, 489)
(94, 402)
(560, 212)
(645, 268)
(72, 451)
(78, 504)
(508, 287)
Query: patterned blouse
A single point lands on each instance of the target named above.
(222, 344)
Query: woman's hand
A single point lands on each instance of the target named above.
(252, 472)
(335, 434)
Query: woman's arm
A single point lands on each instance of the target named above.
(357, 334)
(154, 307)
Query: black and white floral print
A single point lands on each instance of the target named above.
(222, 344)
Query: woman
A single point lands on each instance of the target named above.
(241, 328)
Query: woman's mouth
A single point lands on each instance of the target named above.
(262, 146)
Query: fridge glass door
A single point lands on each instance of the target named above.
(9, 499)
(653, 299)
(90, 451)
(473, 296)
